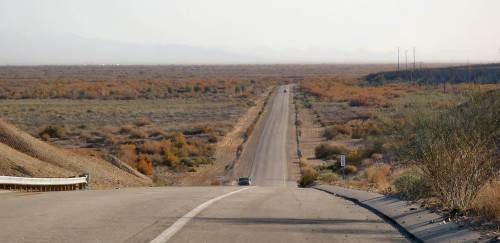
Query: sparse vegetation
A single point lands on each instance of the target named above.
(437, 131)
(324, 150)
(456, 149)
(53, 132)
(330, 133)
(308, 177)
(143, 121)
(136, 133)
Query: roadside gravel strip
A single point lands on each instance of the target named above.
(418, 224)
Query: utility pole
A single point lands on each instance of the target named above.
(414, 67)
(406, 58)
(398, 57)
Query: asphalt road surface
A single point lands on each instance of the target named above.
(269, 164)
(273, 211)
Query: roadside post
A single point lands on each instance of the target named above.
(342, 163)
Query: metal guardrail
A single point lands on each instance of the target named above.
(44, 184)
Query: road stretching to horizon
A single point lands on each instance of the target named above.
(271, 211)
(269, 167)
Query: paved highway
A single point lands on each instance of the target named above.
(269, 212)
(269, 166)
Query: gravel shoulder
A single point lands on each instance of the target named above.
(417, 223)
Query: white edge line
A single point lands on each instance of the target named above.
(174, 228)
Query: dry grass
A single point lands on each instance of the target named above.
(126, 128)
(487, 202)
(303, 162)
(153, 147)
(138, 134)
(127, 153)
(349, 169)
(328, 178)
(377, 175)
(344, 89)
(143, 121)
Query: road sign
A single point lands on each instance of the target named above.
(342, 160)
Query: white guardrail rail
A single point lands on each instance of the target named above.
(44, 184)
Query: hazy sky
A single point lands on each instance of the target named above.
(432, 26)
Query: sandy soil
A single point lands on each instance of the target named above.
(24, 155)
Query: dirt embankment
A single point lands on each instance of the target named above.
(24, 155)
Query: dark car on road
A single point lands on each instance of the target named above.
(244, 181)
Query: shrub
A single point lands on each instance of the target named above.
(45, 137)
(353, 157)
(145, 167)
(87, 152)
(377, 175)
(127, 153)
(194, 161)
(377, 156)
(110, 138)
(308, 178)
(349, 169)
(178, 139)
(330, 133)
(303, 162)
(54, 132)
(85, 136)
(325, 150)
(165, 144)
(126, 128)
(359, 101)
(456, 148)
(358, 133)
(298, 123)
(179, 152)
(151, 147)
(143, 121)
(367, 162)
(213, 139)
(328, 177)
(411, 186)
(487, 202)
(192, 150)
(158, 132)
(193, 169)
(206, 129)
(138, 134)
(157, 179)
(170, 159)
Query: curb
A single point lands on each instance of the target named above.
(415, 223)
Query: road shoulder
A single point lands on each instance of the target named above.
(418, 224)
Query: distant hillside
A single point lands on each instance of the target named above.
(26, 156)
(479, 74)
